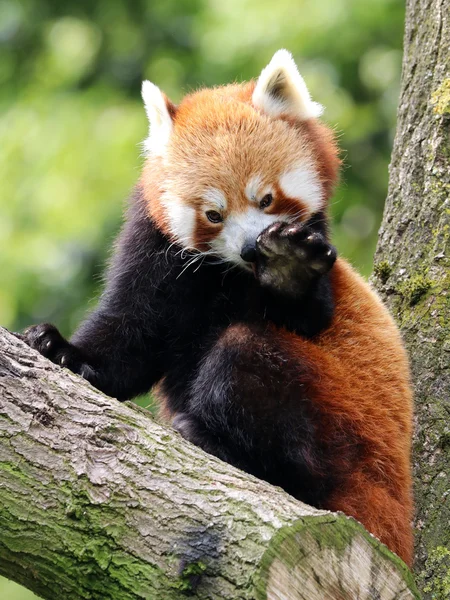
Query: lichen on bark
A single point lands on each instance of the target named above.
(441, 98)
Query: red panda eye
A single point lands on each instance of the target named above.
(266, 201)
(214, 216)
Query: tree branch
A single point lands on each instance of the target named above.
(99, 501)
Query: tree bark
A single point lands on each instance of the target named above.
(412, 271)
(99, 501)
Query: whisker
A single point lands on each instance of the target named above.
(193, 259)
(230, 268)
(187, 265)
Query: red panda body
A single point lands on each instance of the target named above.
(353, 381)
(226, 293)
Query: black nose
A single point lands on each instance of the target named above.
(248, 253)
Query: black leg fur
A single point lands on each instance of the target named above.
(195, 431)
(246, 407)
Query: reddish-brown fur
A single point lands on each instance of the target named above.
(359, 379)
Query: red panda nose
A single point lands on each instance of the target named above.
(248, 253)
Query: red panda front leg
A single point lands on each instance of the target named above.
(110, 351)
(247, 405)
(290, 257)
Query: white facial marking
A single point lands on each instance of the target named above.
(282, 90)
(302, 183)
(241, 229)
(215, 197)
(252, 187)
(181, 218)
(159, 118)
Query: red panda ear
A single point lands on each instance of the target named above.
(281, 90)
(160, 112)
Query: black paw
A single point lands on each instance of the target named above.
(47, 340)
(289, 256)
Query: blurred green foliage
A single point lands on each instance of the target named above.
(71, 121)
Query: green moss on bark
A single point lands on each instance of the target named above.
(414, 288)
(382, 271)
(189, 577)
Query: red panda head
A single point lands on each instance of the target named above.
(230, 161)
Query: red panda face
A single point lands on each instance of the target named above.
(236, 159)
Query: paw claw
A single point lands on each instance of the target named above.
(47, 340)
(291, 230)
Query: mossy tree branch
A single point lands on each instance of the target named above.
(98, 501)
(412, 271)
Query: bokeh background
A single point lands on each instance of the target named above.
(71, 120)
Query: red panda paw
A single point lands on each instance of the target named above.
(48, 341)
(290, 256)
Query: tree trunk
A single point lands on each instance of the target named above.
(412, 271)
(98, 501)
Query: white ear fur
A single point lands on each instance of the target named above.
(281, 89)
(159, 118)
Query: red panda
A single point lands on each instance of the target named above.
(224, 291)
